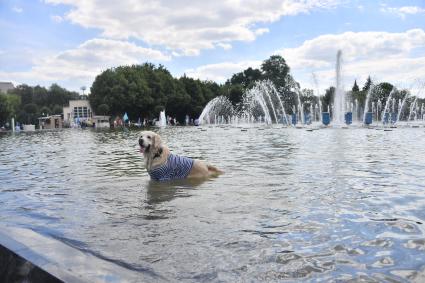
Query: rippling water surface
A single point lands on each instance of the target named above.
(293, 205)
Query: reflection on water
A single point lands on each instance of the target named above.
(293, 205)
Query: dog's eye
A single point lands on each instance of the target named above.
(149, 137)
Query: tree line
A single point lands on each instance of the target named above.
(26, 103)
(142, 91)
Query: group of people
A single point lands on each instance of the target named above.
(170, 121)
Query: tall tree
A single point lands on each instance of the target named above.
(355, 87)
(276, 70)
(367, 84)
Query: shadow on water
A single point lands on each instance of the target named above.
(158, 192)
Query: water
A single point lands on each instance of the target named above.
(218, 106)
(162, 122)
(339, 100)
(387, 104)
(262, 100)
(366, 106)
(303, 206)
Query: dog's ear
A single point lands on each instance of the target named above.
(156, 142)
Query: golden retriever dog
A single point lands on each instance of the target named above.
(162, 165)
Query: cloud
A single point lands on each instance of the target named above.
(86, 61)
(403, 11)
(56, 18)
(17, 10)
(394, 57)
(222, 71)
(391, 57)
(183, 26)
(225, 46)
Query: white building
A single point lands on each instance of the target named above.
(77, 111)
(80, 111)
(6, 86)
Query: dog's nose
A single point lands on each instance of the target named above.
(141, 142)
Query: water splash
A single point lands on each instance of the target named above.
(339, 101)
(162, 122)
(217, 107)
(393, 90)
(366, 106)
(316, 84)
(261, 103)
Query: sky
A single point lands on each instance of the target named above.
(70, 42)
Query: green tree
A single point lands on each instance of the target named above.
(5, 109)
(246, 78)
(276, 70)
(30, 111)
(103, 109)
(355, 87)
(45, 111)
(381, 92)
(367, 84)
(327, 98)
(57, 109)
(235, 94)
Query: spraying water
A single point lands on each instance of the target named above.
(260, 103)
(300, 106)
(216, 108)
(339, 101)
(387, 104)
(162, 120)
(316, 84)
(400, 108)
(366, 106)
(413, 109)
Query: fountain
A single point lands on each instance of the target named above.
(261, 103)
(316, 84)
(387, 104)
(400, 107)
(339, 101)
(162, 122)
(413, 109)
(366, 106)
(218, 107)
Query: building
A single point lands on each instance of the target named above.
(6, 86)
(80, 112)
(101, 121)
(50, 122)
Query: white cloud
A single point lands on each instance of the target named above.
(225, 46)
(56, 18)
(391, 57)
(184, 26)
(222, 71)
(403, 11)
(86, 61)
(394, 57)
(17, 9)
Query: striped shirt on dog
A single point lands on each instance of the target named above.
(176, 167)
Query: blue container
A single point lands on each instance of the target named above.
(307, 118)
(294, 119)
(393, 118)
(386, 118)
(349, 118)
(326, 118)
(368, 119)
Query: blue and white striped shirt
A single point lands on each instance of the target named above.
(176, 167)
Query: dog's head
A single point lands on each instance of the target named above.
(149, 142)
